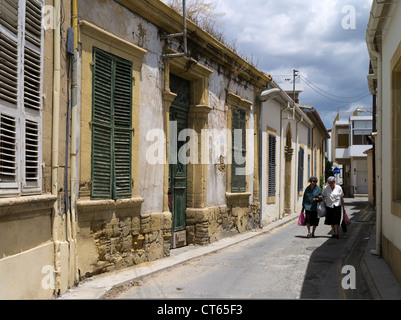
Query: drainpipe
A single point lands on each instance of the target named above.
(56, 96)
(260, 147)
(74, 127)
(379, 148)
(55, 134)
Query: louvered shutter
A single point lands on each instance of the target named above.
(122, 132)
(32, 54)
(9, 51)
(272, 166)
(301, 169)
(8, 92)
(102, 126)
(112, 129)
(32, 154)
(21, 39)
(238, 178)
(32, 69)
(8, 151)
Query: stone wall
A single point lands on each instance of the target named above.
(205, 226)
(115, 235)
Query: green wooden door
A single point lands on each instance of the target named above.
(178, 171)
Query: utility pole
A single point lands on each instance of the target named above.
(295, 74)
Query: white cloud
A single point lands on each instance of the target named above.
(308, 36)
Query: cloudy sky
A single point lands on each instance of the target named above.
(307, 35)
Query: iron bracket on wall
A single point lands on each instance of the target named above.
(181, 34)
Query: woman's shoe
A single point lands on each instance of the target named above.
(308, 236)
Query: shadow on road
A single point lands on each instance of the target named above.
(323, 277)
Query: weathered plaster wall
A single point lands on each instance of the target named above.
(111, 237)
(271, 121)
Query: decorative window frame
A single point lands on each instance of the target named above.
(234, 100)
(91, 36)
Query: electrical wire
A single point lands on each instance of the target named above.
(333, 95)
(325, 94)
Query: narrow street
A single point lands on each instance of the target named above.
(282, 264)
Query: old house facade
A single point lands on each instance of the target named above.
(138, 197)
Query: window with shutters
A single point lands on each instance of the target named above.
(238, 157)
(111, 126)
(301, 169)
(21, 65)
(271, 189)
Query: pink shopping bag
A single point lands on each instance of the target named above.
(301, 219)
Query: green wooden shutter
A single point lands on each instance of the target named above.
(111, 127)
(101, 187)
(238, 181)
(122, 131)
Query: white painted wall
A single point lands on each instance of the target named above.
(392, 38)
(271, 118)
(274, 118)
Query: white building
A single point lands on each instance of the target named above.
(383, 40)
(292, 149)
(349, 140)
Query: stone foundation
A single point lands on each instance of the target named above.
(207, 225)
(114, 235)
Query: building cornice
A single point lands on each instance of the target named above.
(163, 16)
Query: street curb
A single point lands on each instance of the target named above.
(99, 286)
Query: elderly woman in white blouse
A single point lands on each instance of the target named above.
(334, 199)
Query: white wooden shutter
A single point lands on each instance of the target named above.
(21, 64)
(32, 88)
(8, 153)
(32, 55)
(9, 90)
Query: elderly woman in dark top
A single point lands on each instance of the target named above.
(312, 195)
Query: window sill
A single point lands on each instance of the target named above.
(26, 205)
(102, 205)
(238, 199)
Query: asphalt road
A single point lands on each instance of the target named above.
(282, 264)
